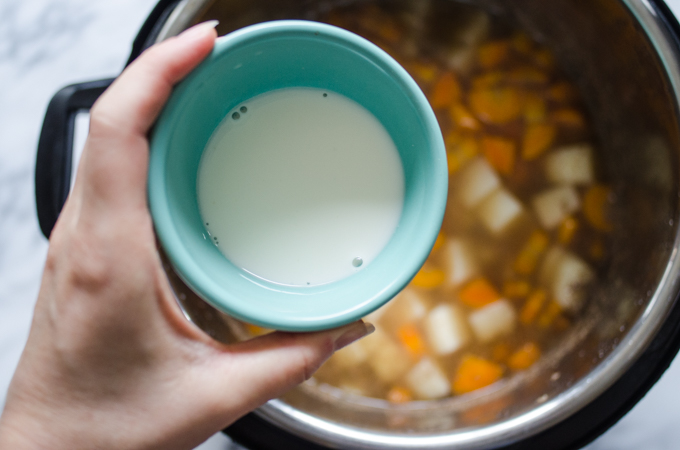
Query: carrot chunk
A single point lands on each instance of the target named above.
(522, 43)
(516, 289)
(428, 277)
(424, 73)
(411, 339)
(534, 110)
(595, 207)
(500, 152)
(475, 373)
(562, 92)
(460, 150)
(552, 311)
(478, 293)
(532, 307)
(255, 330)
(463, 118)
(493, 54)
(568, 118)
(496, 105)
(524, 357)
(538, 137)
(528, 257)
(446, 91)
(567, 230)
(439, 242)
(399, 394)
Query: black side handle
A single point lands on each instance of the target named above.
(53, 163)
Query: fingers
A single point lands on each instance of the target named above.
(267, 367)
(115, 161)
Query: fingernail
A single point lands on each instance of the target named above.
(355, 333)
(198, 30)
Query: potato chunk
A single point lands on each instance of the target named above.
(477, 181)
(446, 330)
(460, 262)
(499, 210)
(427, 380)
(570, 165)
(387, 359)
(565, 274)
(494, 320)
(408, 306)
(554, 205)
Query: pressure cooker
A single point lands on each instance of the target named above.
(624, 55)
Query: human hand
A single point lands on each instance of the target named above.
(111, 362)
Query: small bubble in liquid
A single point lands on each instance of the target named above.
(357, 262)
(325, 94)
(308, 283)
(243, 109)
(215, 238)
(206, 224)
(236, 116)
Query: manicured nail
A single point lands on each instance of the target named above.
(198, 30)
(355, 333)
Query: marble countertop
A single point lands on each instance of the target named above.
(47, 44)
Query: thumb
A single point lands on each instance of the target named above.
(266, 367)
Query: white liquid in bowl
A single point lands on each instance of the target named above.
(300, 186)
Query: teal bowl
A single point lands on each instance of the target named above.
(266, 57)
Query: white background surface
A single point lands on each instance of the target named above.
(47, 44)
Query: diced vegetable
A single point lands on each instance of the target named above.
(408, 306)
(522, 43)
(460, 150)
(489, 79)
(567, 230)
(439, 242)
(528, 257)
(535, 110)
(566, 275)
(532, 307)
(500, 153)
(552, 311)
(554, 205)
(499, 210)
(428, 277)
(524, 357)
(568, 118)
(463, 118)
(446, 91)
(427, 380)
(255, 330)
(446, 329)
(410, 337)
(399, 394)
(477, 181)
(460, 262)
(562, 92)
(516, 289)
(493, 320)
(595, 207)
(527, 76)
(538, 137)
(478, 293)
(387, 359)
(571, 165)
(350, 356)
(493, 54)
(423, 73)
(496, 105)
(475, 373)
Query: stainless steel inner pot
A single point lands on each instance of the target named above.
(625, 61)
